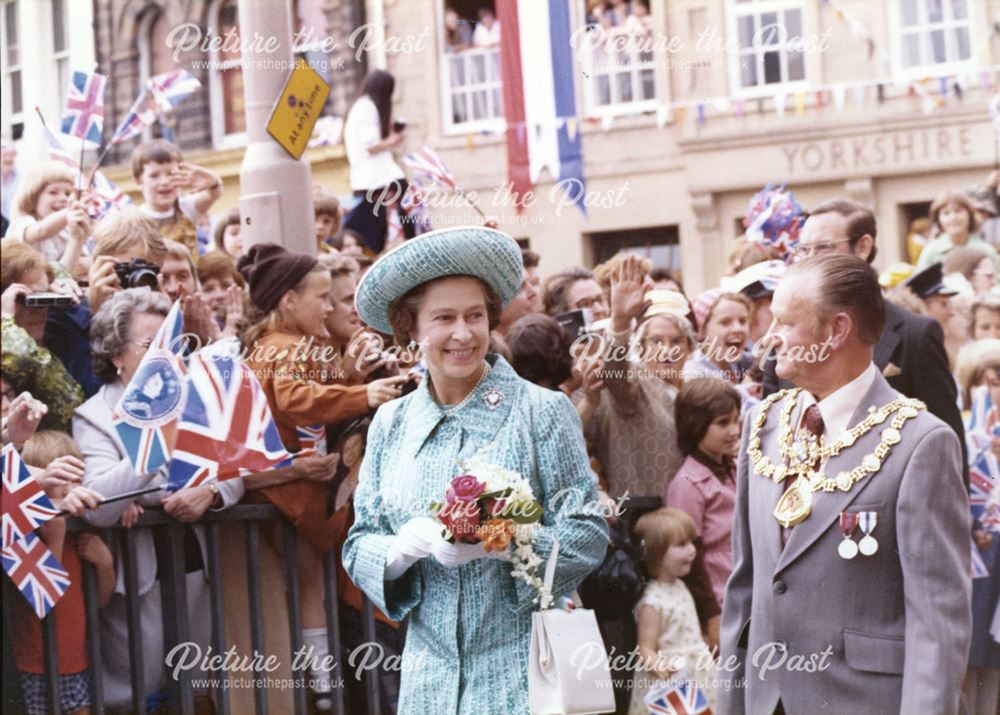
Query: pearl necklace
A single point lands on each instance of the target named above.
(449, 409)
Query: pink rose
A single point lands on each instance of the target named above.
(465, 488)
(461, 518)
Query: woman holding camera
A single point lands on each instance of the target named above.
(27, 362)
(370, 134)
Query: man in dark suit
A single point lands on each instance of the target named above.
(910, 354)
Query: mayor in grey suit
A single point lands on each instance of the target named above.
(805, 630)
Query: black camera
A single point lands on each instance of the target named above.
(576, 322)
(138, 273)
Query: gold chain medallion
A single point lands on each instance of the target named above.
(800, 450)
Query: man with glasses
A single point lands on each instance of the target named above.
(910, 353)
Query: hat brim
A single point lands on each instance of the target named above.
(487, 254)
(757, 290)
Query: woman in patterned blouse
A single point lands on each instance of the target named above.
(27, 362)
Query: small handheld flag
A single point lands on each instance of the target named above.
(172, 88)
(34, 570)
(678, 698)
(427, 164)
(25, 505)
(146, 416)
(226, 429)
(83, 115)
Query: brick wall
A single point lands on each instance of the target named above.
(116, 26)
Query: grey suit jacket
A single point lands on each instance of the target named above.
(108, 471)
(887, 633)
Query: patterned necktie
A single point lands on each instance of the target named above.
(813, 420)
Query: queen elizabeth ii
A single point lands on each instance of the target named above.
(470, 619)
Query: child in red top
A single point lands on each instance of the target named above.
(55, 461)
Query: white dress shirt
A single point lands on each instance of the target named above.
(837, 407)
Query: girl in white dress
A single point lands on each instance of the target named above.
(670, 642)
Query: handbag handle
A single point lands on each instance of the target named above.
(550, 566)
(550, 573)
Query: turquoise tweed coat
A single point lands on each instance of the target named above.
(470, 627)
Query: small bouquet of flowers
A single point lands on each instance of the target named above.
(494, 506)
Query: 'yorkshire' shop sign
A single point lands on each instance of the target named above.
(898, 149)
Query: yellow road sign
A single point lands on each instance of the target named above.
(298, 108)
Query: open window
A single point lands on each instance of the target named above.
(616, 57)
(470, 67)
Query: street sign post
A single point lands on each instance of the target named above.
(298, 108)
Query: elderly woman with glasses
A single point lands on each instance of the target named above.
(121, 331)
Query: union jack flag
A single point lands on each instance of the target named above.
(140, 115)
(226, 429)
(416, 210)
(160, 93)
(684, 698)
(984, 470)
(83, 115)
(312, 437)
(146, 416)
(171, 88)
(25, 506)
(57, 151)
(426, 164)
(36, 573)
(980, 488)
(979, 568)
(105, 194)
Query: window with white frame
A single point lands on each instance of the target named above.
(11, 65)
(228, 107)
(470, 67)
(769, 46)
(616, 56)
(60, 44)
(933, 34)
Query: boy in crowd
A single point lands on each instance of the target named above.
(327, 210)
(160, 172)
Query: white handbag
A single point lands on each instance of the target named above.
(568, 670)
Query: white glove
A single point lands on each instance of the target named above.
(415, 540)
(452, 555)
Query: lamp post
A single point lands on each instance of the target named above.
(275, 190)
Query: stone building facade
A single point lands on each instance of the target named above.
(885, 102)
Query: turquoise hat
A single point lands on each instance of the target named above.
(488, 254)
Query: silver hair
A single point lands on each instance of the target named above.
(109, 328)
(682, 324)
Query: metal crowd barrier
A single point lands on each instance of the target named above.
(169, 539)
